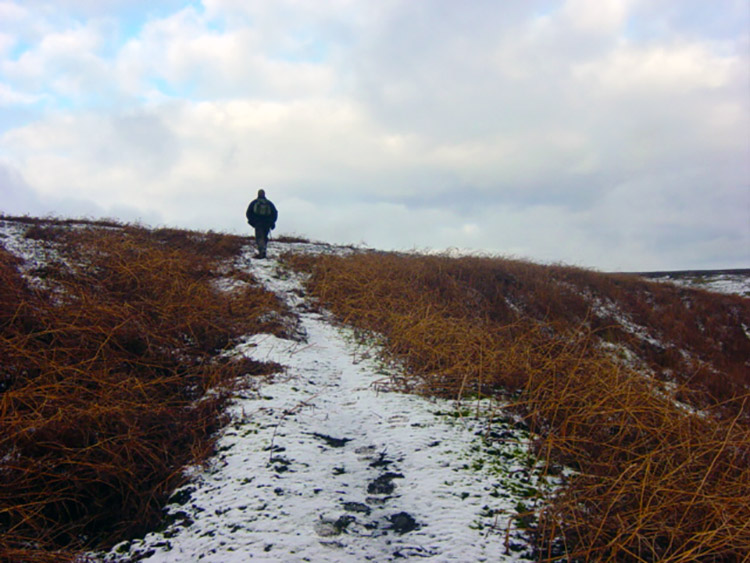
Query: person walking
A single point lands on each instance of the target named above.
(261, 214)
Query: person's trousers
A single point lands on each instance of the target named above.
(261, 240)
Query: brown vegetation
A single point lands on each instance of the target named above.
(609, 372)
(111, 379)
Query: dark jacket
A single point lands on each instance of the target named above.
(255, 220)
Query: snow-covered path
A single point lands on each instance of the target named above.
(322, 464)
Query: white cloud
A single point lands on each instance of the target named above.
(7, 41)
(597, 16)
(64, 63)
(558, 134)
(659, 70)
(13, 15)
(11, 97)
(184, 51)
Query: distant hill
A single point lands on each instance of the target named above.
(735, 281)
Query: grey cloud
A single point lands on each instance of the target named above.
(142, 139)
(718, 20)
(460, 72)
(17, 197)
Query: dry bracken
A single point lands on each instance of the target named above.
(111, 380)
(661, 449)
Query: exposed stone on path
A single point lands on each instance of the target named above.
(331, 441)
(403, 523)
(383, 485)
(357, 507)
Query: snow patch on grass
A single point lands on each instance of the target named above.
(321, 464)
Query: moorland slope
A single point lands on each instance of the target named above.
(115, 376)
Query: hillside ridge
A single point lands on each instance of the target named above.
(147, 406)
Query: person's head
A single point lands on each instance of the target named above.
(261, 193)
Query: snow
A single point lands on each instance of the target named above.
(33, 253)
(729, 283)
(607, 309)
(324, 463)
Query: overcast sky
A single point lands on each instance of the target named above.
(612, 134)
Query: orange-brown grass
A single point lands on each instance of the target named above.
(654, 481)
(112, 380)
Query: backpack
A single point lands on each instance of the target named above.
(262, 208)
